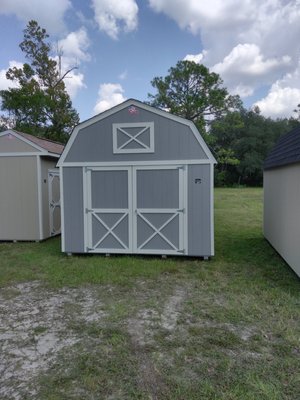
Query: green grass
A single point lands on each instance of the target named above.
(236, 334)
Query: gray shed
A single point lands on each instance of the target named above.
(282, 198)
(29, 196)
(135, 179)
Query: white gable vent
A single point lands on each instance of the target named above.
(133, 137)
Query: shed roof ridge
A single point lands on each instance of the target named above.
(38, 137)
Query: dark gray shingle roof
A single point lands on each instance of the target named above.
(286, 150)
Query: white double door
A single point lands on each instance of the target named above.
(135, 209)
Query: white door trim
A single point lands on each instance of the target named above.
(90, 213)
(181, 212)
(133, 212)
(53, 205)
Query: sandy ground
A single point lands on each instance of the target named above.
(35, 327)
(39, 326)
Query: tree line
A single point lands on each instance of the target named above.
(240, 139)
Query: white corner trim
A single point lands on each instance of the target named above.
(62, 219)
(40, 197)
(212, 227)
(186, 209)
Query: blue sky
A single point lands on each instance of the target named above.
(119, 46)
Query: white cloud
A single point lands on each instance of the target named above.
(222, 25)
(49, 14)
(109, 95)
(74, 50)
(74, 46)
(280, 102)
(249, 42)
(74, 82)
(247, 59)
(283, 96)
(205, 15)
(4, 82)
(245, 68)
(113, 16)
(242, 90)
(197, 58)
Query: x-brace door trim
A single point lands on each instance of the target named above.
(92, 214)
(180, 212)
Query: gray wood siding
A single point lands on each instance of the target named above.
(73, 210)
(157, 188)
(109, 189)
(199, 230)
(18, 198)
(282, 212)
(172, 140)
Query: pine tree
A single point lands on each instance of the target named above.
(40, 104)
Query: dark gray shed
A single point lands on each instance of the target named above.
(136, 179)
(282, 198)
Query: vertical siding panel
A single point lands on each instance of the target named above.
(199, 231)
(18, 198)
(282, 212)
(73, 210)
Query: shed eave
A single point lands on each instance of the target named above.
(285, 164)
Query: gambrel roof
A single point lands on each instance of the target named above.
(133, 106)
(286, 151)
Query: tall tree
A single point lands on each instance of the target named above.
(190, 90)
(40, 103)
(249, 137)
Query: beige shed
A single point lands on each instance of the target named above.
(282, 198)
(29, 187)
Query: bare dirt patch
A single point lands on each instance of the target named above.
(35, 327)
(142, 329)
(103, 339)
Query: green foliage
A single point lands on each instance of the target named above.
(39, 104)
(191, 91)
(241, 141)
